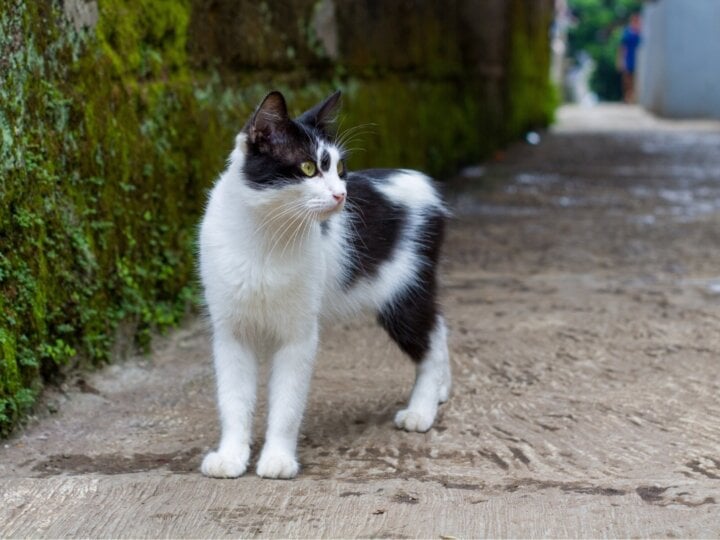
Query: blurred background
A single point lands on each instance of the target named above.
(117, 115)
(661, 54)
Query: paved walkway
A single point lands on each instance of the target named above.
(582, 289)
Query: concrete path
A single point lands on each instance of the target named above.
(582, 290)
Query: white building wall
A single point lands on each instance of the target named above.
(679, 64)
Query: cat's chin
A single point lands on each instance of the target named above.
(324, 215)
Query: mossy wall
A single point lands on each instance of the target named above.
(530, 97)
(111, 134)
(100, 185)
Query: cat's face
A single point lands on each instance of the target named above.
(293, 163)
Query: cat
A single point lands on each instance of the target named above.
(290, 237)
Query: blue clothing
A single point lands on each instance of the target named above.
(631, 41)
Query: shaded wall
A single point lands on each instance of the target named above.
(444, 83)
(117, 115)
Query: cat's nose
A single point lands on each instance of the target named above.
(339, 197)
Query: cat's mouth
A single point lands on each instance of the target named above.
(326, 212)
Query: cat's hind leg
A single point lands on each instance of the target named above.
(236, 374)
(446, 385)
(424, 339)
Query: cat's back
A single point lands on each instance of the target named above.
(389, 209)
(394, 222)
(400, 187)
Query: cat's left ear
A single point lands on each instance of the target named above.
(322, 115)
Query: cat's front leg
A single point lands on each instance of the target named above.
(289, 386)
(236, 373)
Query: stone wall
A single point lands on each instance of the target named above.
(444, 83)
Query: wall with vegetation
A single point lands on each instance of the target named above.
(116, 116)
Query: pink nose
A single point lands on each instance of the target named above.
(339, 197)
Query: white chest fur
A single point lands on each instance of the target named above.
(256, 281)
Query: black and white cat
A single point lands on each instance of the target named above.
(290, 237)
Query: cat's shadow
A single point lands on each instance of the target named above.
(338, 426)
(348, 426)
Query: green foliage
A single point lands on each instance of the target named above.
(100, 188)
(144, 39)
(531, 98)
(598, 32)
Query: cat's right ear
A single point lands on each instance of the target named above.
(322, 115)
(269, 121)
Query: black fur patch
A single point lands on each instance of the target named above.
(277, 145)
(376, 226)
(411, 317)
(325, 161)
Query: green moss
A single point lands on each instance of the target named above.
(100, 188)
(428, 125)
(144, 38)
(531, 98)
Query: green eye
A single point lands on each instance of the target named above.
(308, 168)
(340, 168)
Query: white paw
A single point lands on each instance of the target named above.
(274, 464)
(217, 465)
(444, 393)
(445, 384)
(413, 420)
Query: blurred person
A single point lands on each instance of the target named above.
(627, 56)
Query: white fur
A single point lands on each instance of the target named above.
(412, 189)
(432, 385)
(269, 274)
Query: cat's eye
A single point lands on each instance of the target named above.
(308, 168)
(340, 168)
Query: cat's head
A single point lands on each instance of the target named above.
(294, 162)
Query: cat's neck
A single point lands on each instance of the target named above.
(285, 237)
(271, 230)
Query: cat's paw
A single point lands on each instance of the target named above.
(443, 393)
(413, 420)
(445, 384)
(274, 464)
(217, 465)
